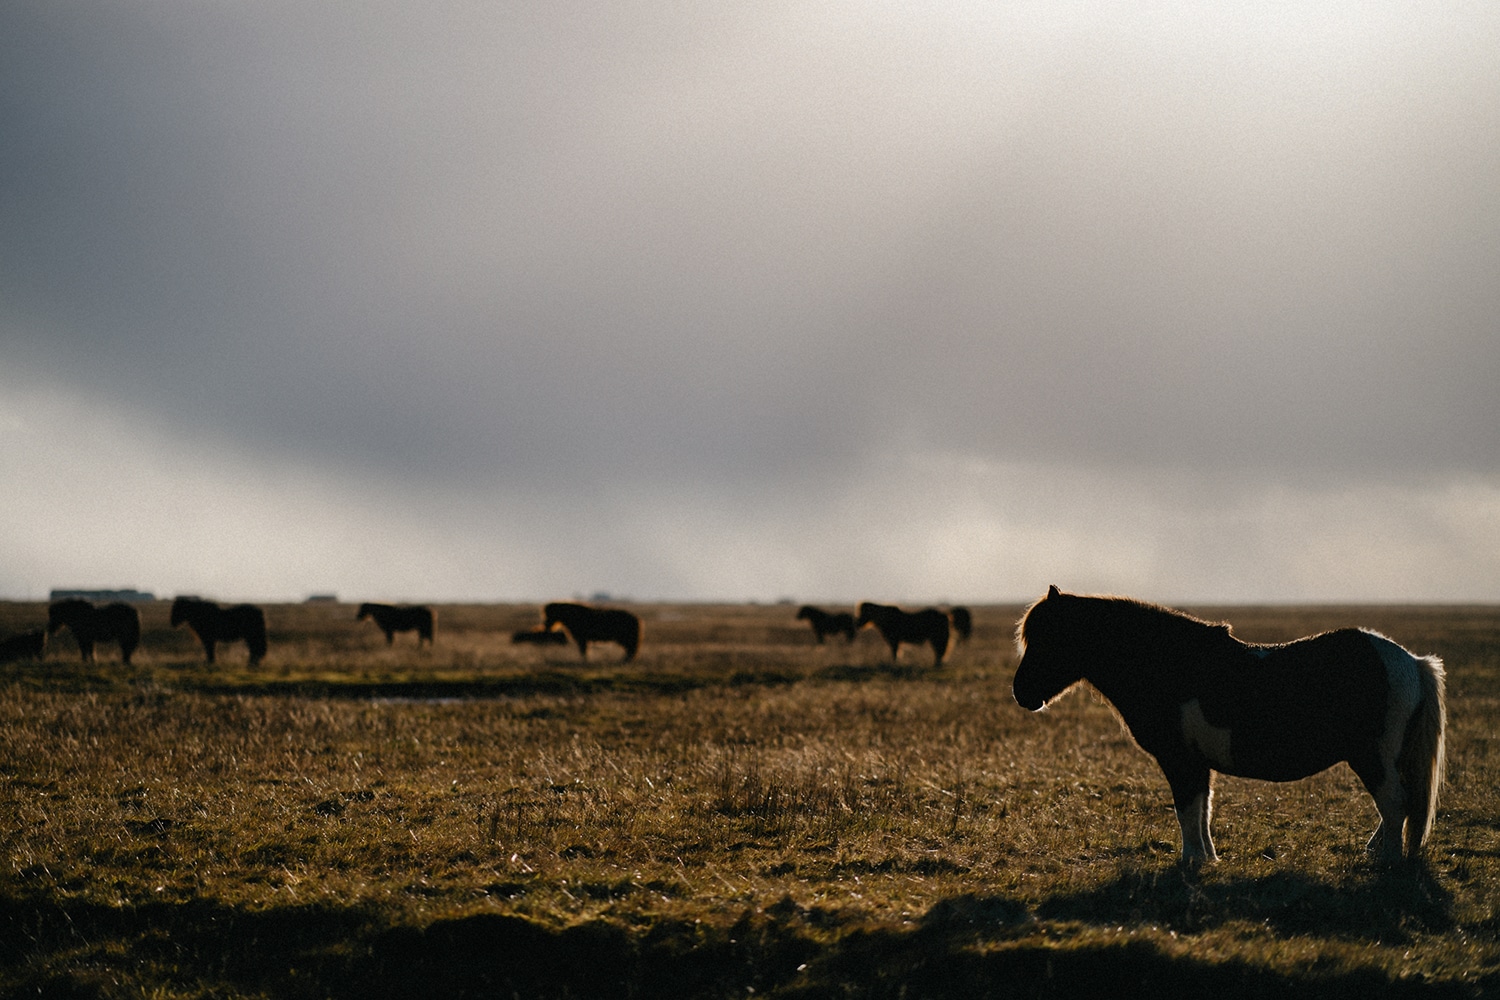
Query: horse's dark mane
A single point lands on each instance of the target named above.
(1125, 608)
(1131, 611)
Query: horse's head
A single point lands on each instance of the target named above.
(554, 613)
(868, 612)
(182, 610)
(365, 610)
(1049, 664)
(806, 612)
(57, 616)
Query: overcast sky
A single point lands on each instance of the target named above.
(916, 302)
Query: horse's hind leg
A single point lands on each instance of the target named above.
(1385, 843)
(1383, 782)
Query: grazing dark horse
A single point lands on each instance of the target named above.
(116, 622)
(828, 623)
(214, 624)
(539, 637)
(1199, 700)
(897, 626)
(963, 622)
(403, 618)
(586, 625)
(23, 646)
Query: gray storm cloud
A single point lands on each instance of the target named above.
(737, 263)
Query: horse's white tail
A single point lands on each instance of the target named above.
(1422, 755)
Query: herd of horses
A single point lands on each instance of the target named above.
(929, 626)
(562, 621)
(1191, 694)
(120, 623)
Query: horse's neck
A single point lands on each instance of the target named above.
(1136, 675)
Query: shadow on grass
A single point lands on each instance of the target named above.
(965, 946)
(1376, 905)
(583, 680)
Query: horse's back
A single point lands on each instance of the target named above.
(246, 618)
(120, 619)
(620, 622)
(1314, 670)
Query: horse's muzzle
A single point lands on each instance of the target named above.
(1028, 696)
(1027, 700)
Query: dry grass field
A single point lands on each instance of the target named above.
(739, 812)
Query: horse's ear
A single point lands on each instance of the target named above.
(1052, 591)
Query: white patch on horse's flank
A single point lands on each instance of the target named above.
(1211, 741)
(1403, 695)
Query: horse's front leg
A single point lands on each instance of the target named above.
(1192, 798)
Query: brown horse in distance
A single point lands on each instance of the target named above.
(393, 618)
(928, 626)
(118, 622)
(214, 625)
(586, 625)
(23, 646)
(825, 623)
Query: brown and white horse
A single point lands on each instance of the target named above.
(1199, 700)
